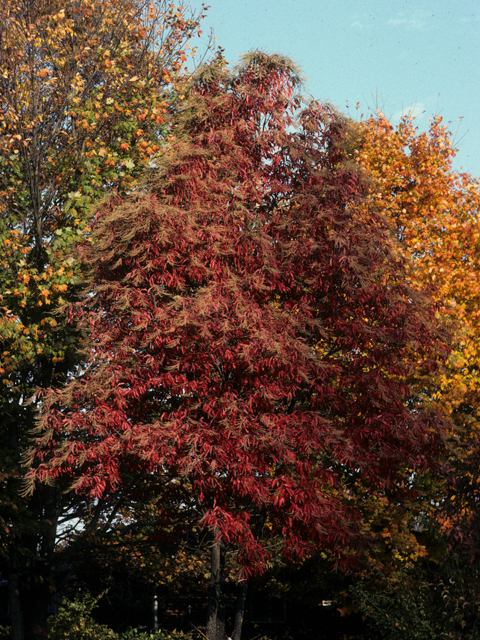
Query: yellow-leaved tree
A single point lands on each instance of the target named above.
(434, 213)
(85, 91)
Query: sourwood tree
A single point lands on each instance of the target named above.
(84, 95)
(251, 337)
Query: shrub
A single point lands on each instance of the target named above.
(74, 621)
(145, 634)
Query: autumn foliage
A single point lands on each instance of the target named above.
(82, 111)
(85, 90)
(434, 212)
(250, 334)
(255, 317)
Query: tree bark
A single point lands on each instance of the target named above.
(35, 608)
(240, 609)
(216, 603)
(15, 605)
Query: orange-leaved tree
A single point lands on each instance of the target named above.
(434, 212)
(85, 90)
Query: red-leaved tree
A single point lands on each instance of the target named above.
(251, 337)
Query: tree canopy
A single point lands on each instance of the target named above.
(85, 88)
(253, 342)
(434, 212)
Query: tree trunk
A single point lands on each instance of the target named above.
(15, 605)
(240, 609)
(36, 611)
(216, 603)
(40, 578)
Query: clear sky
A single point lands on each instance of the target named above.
(395, 55)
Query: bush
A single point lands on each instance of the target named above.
(74, 621)
(144, 634)
(430, 602)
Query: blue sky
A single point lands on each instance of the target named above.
(422, 56)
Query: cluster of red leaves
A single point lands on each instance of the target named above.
(251, 337)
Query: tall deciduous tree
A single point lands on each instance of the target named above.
(82, 106)
(251, 336)
(434, 211)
